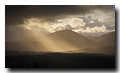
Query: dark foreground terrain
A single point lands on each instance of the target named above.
(58, 60)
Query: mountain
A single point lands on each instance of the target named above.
(64, 36)
(58, 41)
(107, 39)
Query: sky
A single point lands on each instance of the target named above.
(23, 21)
(51, 2)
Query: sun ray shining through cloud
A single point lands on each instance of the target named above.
(60, 36)
(93, 19)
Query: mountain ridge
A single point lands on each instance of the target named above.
(58, 41)
(60, 36)
(107, 39)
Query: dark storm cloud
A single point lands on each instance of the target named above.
(16, 14)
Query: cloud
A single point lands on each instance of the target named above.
(43, 19)
(91, 21)
(77, 22)
(59, 26)
(107, 17)
(100, 18)
(16, 14)
(95, 29)
(69, 27)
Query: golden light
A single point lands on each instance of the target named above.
(44, 43)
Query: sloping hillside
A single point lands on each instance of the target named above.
(59, 41)
(107, 39)
(64, 36)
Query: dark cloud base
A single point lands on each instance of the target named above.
(15, 14)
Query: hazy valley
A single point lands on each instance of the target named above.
(65, 41)
(62, 49)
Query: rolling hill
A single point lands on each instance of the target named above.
(59, 41)
(107, 39)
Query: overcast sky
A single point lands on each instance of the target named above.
(88, 20)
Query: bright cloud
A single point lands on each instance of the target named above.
(77, 22)
(93, 30)
(86, 20)
(89, 23)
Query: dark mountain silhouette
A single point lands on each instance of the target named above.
(58, 41)
(107, 39)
